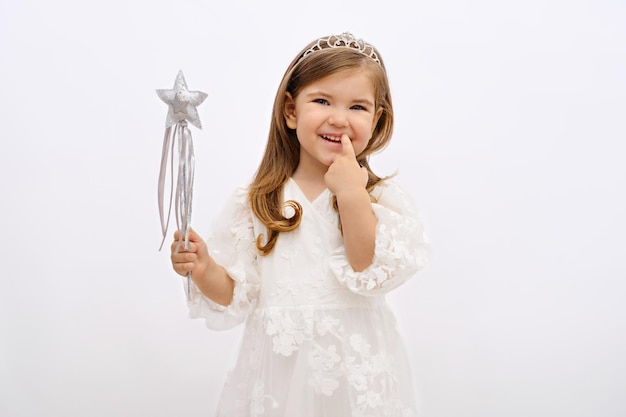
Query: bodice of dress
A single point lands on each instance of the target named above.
(297, 273)
(308, 266)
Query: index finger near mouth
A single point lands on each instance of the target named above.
(347, 145)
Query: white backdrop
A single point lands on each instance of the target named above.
(510, 136)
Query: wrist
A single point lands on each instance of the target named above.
(353, 194)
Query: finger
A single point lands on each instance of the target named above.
(178, 245)
(183, 268)
(346, 146)
(184, 258)
(193, 236)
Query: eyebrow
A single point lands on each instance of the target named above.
(322, 94)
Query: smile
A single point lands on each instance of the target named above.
(331, 138)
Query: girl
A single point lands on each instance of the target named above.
(306, 252)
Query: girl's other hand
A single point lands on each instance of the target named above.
(345, 174)
(194, 259)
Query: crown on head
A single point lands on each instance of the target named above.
(345, 40)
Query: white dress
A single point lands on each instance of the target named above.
(320, 339)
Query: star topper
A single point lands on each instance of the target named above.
(182, 102)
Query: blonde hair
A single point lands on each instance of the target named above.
(282, 152)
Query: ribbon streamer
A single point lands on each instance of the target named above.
(182, 199)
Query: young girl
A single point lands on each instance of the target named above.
(306, 253)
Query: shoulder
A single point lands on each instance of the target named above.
(241, 192)
(237, 201)
(391, 195)
(388, 188)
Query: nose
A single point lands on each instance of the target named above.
(338, 118)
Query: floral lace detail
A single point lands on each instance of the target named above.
(288, 329)
(260, 399)
(371, 375)
(323, 362)
(335, 357)
(329, 324)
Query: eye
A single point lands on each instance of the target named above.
(320, 101)
(358, 107)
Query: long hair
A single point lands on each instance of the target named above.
(282, 152)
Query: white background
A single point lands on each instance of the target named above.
(510, 137)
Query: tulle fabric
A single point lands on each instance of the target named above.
(320, 339)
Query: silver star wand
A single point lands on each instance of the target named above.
(182, 109)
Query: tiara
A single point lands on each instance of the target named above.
(345, 40)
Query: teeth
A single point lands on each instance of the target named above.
(331, 138)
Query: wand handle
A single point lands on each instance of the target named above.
(188, 286)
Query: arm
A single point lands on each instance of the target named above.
(210, 278)
(358, 225)
(225, 277)
(347, 181)
(401, 246)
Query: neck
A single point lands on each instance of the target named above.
(310, 182)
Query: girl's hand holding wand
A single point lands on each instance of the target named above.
(194, 259)
(196, 262)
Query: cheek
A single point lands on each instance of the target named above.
(361, 143)
(364, 133)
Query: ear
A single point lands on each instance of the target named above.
(289, 111)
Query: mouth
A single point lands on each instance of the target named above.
(334, 139)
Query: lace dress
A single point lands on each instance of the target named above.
(320, 339)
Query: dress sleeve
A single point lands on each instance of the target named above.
(401, 247)
(231, 243)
